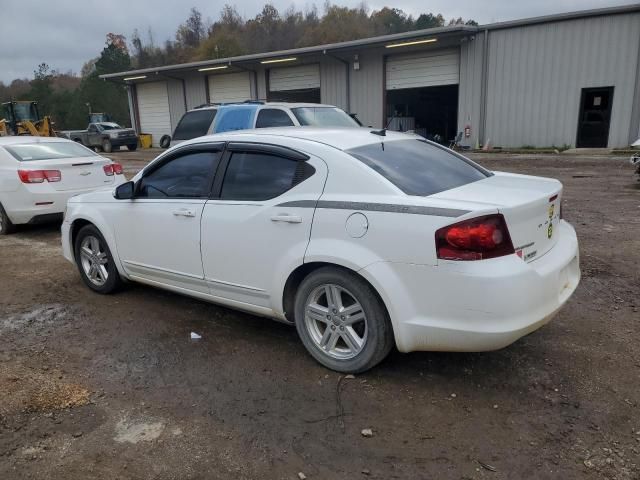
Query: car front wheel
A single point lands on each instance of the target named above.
(95, 262)
(341, 321)
(106, 146)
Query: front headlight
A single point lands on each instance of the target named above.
(113, 135)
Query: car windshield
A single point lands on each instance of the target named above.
(48, 151)
(323, 117)
(418, 167)
(109, 126)
(194, 124)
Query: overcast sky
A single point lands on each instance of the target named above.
(66, 33)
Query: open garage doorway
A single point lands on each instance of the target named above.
(431, 112)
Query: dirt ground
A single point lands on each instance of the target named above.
(112, 387)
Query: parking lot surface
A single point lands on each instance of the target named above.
(113, 387)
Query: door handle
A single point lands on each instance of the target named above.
(286, 218)
(184, 212)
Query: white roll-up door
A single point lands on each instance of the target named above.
(153, 108)
(230, 87)
(423, 69)
(301, 77)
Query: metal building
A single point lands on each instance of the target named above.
(568, 79)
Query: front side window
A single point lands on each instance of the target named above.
(48, 151)
(186, 176)
(417, 167)
(260, 176)
(273, 117)
(194, 124)
(323, 117)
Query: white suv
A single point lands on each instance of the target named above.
(209, 119)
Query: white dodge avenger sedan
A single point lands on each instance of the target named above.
(39, 174)
(362, 239)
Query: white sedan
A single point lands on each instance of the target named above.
(362, 239)
(39, 174)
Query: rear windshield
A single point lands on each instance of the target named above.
(194, 124)
(323, 117)
(417, 167)
(48, 151)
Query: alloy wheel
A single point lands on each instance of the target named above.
(336, 321)
(94, 260)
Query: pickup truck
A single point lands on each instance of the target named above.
(104, 136)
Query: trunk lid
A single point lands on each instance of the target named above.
(78, 173)
(530, 205)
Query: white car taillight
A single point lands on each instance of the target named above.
(39, 176)
(112, 168)
(475, 239)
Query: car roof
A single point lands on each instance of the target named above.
(342, 138)
(256, 104)
(28, 140)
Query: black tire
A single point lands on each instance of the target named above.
(113, 281)
(106, 146)
(165, 141)
(379, 338)
(132, 148)
(6, 226)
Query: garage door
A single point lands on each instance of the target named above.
(153, 107)
(230, 87)
(422, 69)
(303, 77)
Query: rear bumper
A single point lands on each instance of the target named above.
(33, 206)
(477, 306)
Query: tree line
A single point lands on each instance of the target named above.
(67, 97)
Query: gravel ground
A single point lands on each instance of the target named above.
(112, 386)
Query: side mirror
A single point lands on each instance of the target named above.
(124, 191)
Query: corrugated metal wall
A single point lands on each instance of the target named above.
(367, 89)
(176, 101)
(196, 90)
(536, 73)
(333, 83)
(470, 88)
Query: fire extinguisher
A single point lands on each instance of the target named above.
(467, 131)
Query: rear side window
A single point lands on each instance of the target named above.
(273, 117)
(194, 124)
(417, 167)
(48, 151)
(234, 119)
(187, 176)
(261, 176)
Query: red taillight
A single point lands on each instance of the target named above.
(476, 239)
(112, 168)
(39, 176)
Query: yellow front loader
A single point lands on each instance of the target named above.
(23, 118)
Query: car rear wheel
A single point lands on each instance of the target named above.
(106, 146)
(95, 262)
(6, 226)
(341, 321)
